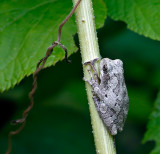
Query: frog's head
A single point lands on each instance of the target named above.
(118, 63)
(107, 65)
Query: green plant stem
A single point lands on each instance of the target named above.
(89, 51)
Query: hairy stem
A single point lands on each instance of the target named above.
(89, 51)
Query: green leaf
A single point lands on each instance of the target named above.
(153, 127)
(28, 28)
(141, 16)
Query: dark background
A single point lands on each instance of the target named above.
(60, 122)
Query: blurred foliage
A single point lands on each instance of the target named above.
(141, 16)
(153, 127)
(28, 28)
(60, 123)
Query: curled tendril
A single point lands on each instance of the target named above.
(40, 65)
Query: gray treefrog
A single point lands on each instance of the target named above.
(109, 93)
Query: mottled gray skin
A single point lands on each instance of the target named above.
(110, 93)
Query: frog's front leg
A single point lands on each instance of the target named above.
(94, 81)
(92, 65)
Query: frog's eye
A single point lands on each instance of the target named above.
(105, 70)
